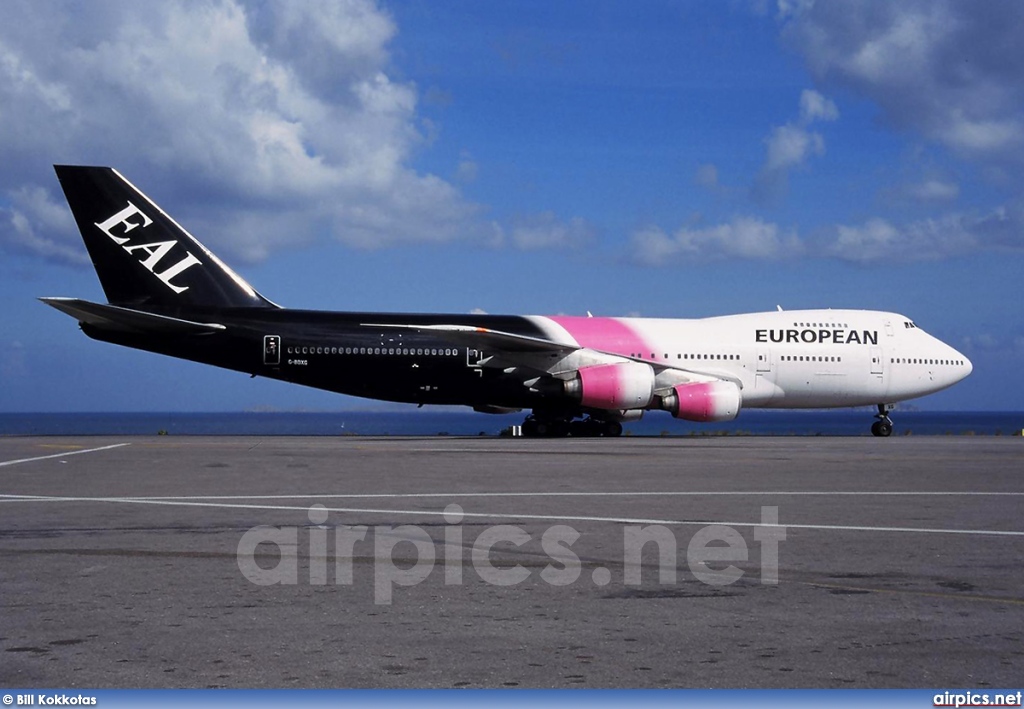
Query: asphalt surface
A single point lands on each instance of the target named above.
(145, 565)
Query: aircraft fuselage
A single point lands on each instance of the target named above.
(788, 359)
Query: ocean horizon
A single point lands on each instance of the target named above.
(845, 422)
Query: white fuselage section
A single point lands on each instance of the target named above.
(784, 359)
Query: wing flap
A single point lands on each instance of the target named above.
(113, 317)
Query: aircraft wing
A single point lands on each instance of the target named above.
(113, 317)
(536, 353)
(488, 339)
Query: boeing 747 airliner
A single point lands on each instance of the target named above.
(580, 376)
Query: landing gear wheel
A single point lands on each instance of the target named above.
(559, 429)
(882, 428)
(580, 429)
(612, 429)
(545, 428)
(530, 428)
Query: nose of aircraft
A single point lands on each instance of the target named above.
(965, 368)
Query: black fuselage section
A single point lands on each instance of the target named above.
(345, 353)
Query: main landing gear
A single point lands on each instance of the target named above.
(883, 426)
(543, 427)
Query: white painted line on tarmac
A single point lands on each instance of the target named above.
(535, 517)
(644, 493)
(62, 455)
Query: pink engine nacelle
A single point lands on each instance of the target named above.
(626, 385)
(704, 401)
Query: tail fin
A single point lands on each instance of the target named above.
(142, 256)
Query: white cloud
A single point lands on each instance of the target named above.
(929, 239)
(815, 107)
(223, 111)
(975, 135)
(707, 177)
(873, 241)
(743, 238)
(24, 83)
(992, 344)
(790, 146)
(951, 70)
(933, 190)
(467, 169)
(39, 226)
(547, 231)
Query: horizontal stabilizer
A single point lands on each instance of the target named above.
(112, 317)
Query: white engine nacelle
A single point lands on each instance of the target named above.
(626, 385)
(704, 401)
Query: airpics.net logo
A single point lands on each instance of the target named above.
(500, 555)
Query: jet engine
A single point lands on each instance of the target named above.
(704, 401)
(625, 385)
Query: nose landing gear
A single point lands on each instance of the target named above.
(883, 426)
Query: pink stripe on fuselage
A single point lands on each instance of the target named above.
(605, 334)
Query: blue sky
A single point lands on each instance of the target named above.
(670, 159)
